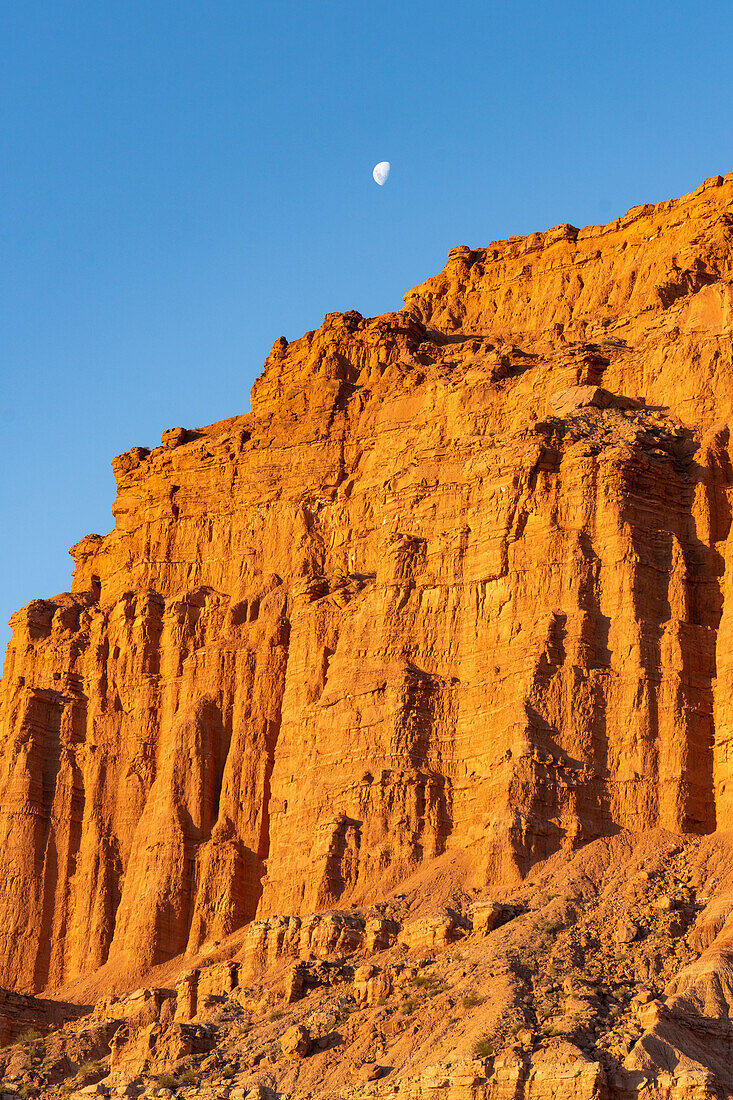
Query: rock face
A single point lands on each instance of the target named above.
(460, 582)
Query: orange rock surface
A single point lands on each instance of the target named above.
(459, 584)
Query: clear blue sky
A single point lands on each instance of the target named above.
(183, 182)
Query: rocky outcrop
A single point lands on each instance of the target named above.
(511, 1077)
(539, 997)
(314, 936)
(25, 1018)
(457, 586)
(137, 1048)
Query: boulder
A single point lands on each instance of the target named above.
(626, 932)
(370, 1071)
(296, 1042)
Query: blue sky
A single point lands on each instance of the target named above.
(184, 182)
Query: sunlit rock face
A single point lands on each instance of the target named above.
(459, 582)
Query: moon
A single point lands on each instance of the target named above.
(381, 171)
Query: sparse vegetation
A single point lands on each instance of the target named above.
(188, 1077)
(483, 1048)
(429, 984)
(30, 1035)
(408, 1007)
(472, 1000)
(89, 1069)
(165, 1081)
(276, 1015)
(342, 1016)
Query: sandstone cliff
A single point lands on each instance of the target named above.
(459, 587)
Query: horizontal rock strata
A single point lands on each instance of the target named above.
(456, 588)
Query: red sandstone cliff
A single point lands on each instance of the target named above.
(460, 582)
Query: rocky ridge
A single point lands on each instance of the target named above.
(444, 617)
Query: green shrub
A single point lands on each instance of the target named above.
(472, 1000)
(408, 1007)
(276, 1015)
(30, 1035)
(483, 1048)
(165, 1081)
(188, 1077)
(89, 1069)
(228, 1072)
